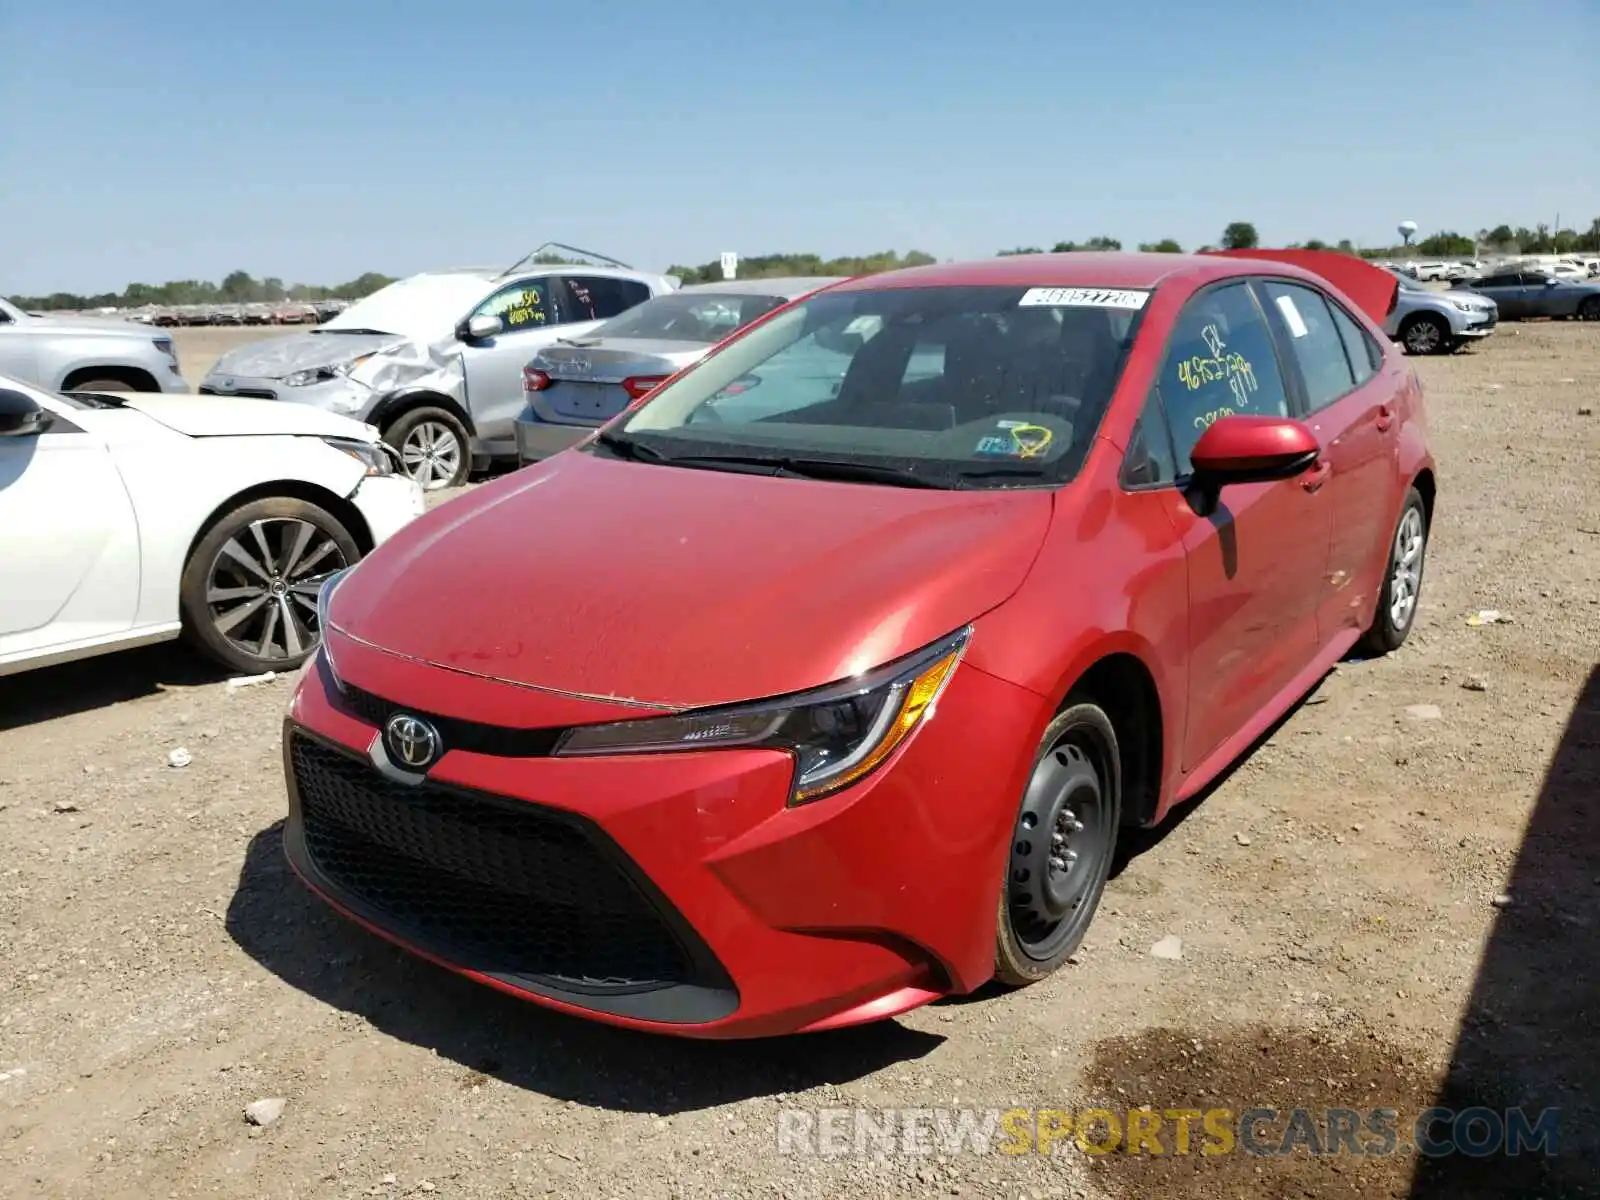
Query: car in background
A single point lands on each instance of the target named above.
(435, 361)
(130, 519)
(1426, 321)
(102, 354)
(1525, 294)
(1432, 271)
(802, 704)
(579, 383)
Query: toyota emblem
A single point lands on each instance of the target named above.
(411, 742)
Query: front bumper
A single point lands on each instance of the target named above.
(344, 396)
(537, 439)
(1474, 325)
(388, 502)
(746, 918)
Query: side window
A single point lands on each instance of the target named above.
(1221, 362)
(1314, 340)
(1365, 355)
(599, 297)
(1149, 460)
(521, 305)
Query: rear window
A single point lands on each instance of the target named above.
(703, 317)
(947, 381)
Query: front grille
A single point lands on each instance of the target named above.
(247, 393)
(495, 885)
(503, 741)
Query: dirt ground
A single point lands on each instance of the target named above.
(1393, 901)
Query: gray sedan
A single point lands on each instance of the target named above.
(580, 383)
(1522, 294)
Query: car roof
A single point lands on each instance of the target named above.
(496, 274)
(787, 286)
(1073, 269)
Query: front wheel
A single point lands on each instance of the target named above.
(1589, 310)
(249, 589)
(1426, 335)
(1061, 847)
(1402, 582)
(434, 447)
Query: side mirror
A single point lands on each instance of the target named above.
(20, 416)
(1249, 449)
(479, 329)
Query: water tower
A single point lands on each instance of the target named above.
(1408, 230)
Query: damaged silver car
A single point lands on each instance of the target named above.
(435, 361)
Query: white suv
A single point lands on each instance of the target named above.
(435, 361)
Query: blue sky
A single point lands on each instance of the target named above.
(313, 141)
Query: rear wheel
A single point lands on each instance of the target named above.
(433, 445)
(1402, 582)
(1425, 334)
(1589, 310)
(1061, 847)
(249, 590)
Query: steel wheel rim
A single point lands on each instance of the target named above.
(431, 454)
(1424, 337)
(1405, 571)
(1059, 847)
(261, 590)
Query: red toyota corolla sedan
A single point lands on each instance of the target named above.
(823, 682)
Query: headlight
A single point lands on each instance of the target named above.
(837, 734)
(1464, 306)
(166, 347)
(375, 456)
(324, 597)
(322, 374)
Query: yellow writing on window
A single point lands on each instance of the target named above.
(526, 308)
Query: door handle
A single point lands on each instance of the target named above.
(1313, 480)
(1385, 419)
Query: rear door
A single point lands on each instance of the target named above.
(1506, 291)
(1344, 392)
(1256, 564)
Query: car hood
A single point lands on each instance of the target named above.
(1465, 294)
(682, 588)
(276, 357)
(218, 416)
(90, 327)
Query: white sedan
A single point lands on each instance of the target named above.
(128, 519)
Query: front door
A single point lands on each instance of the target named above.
(65, 514)
(493, 365)
(1256, 564)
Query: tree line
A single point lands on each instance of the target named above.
(240, 287)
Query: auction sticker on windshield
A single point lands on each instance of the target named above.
(1072, 297)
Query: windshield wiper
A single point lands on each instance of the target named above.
(1002, 473)
(809, 468)
(347, 329)
(626, 447)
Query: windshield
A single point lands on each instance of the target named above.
(423, 308)
(1408, 284)
(1004, 385)
(701, 317)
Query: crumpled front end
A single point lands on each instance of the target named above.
(343, 373)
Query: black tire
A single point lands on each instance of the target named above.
(280, 632)
(102, 385)
(1589, 310)
(437, 467)
(1425, 333)
(1074, 794)
(1389, 631)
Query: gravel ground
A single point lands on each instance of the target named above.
(1395, 898)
